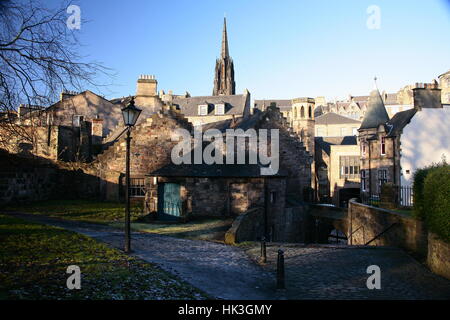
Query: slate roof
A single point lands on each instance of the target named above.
(278, 102)
(213, 171)
(325, 143)
(376, 112)
(399, 121)
(333, 118)
(234, 104)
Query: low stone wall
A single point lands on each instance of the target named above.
(366, 222)
(438, 258)
(287, 225)
(246, 227)
(27, 185)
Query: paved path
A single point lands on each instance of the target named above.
(311, 272)
(340, 273)
(222, 271)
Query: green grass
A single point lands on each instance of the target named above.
(34, 259)
(112, 213)
(81, 210)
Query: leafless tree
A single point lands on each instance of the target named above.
(39, 57)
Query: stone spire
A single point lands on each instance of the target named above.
(224, 74)
(225, 53)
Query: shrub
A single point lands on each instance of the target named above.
(419, 179)
(436, 201)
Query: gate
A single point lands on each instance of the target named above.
(169, 201)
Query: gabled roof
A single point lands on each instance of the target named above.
(376, 112)
(333, 118)
(325, 143)
(399, 121)
(234, 104)
(84, 93)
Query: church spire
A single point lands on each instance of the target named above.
(225, 52)
(224, 76)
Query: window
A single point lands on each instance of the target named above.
(77, 120)
(219, 109)
(320, 132)
(364, 180)
(343, 132)
(383, 146)
(310, 112)
(203, 110)
(355, 131)
(302, 112)
(382, 178)
(137, 187)
(349, 167)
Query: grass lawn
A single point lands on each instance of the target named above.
(112, 213)
(34, 259)
(80, 210)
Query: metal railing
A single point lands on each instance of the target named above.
(404, 197)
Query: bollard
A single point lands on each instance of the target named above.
(263, 250)
(280, 270)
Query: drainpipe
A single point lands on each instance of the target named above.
(266, 209)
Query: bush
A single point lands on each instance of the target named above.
(436, 201)
(419, 180)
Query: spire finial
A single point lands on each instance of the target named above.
(375, 83)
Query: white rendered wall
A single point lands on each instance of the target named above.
(426, 139)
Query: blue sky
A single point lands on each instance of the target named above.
(281, 49)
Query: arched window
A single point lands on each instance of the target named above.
(310, 112)
(302, 112)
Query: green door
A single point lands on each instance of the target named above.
(169, 204)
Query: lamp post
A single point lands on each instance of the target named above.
(130, 115)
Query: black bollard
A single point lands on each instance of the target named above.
(263, 250)
(280, 270)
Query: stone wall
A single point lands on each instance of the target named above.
(32, 179)
(151, 147)
(438, 258)
(366, 222)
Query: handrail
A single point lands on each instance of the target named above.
(361, 226)
(381, 233)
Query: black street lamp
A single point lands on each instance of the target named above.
(130, 115)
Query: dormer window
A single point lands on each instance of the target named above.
(219, 109)
(203, 110)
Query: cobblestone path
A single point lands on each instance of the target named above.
(340, 273)
(227, 272)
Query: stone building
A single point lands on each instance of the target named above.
(444, 85)
(208, 109)
(224, 75)
(392, 148)
(337, 166)
(333, 125)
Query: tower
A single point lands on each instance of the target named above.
(224, 74)
(303, 121)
